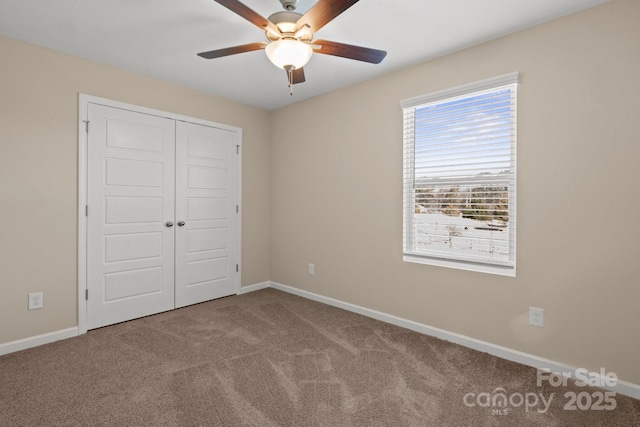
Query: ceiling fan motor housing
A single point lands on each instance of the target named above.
(286, 23)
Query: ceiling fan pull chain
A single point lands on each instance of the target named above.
(290, 80)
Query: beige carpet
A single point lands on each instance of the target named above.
(272, 359)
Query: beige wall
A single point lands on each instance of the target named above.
(336, 177)
(38, 175)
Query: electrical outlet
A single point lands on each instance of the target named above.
(36, 301)
(536, 317)
(312, 269)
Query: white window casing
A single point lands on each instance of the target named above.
(459, 177)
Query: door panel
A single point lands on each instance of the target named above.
(206, 188)
(130, 251)
(125, 284)
(123, 247)
(207, 208)
(133, 210)
(133, 173)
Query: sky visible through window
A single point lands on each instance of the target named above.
(464, 137)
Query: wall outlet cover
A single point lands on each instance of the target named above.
(36, 300)
(536, 317)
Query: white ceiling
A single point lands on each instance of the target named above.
(160, 38)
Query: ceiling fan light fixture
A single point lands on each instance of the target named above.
(288, 53)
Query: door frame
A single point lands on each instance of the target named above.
(83, 173)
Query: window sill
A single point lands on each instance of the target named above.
(462, 265)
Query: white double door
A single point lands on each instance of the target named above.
(162, 216)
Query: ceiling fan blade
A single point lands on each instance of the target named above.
(297, 76)
(232, 50)
(358, 53)
(248, 14)
(323, 12)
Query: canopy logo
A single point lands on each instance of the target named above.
(500, 403)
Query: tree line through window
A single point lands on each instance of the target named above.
(478, 203)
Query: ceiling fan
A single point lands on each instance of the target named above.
(290, 36)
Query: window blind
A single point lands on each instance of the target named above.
(460, 175)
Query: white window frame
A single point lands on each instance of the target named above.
(409, 107)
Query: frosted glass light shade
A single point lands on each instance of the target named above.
(288, 52)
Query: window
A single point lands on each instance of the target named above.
(460, 177)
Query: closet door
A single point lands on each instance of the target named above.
(206, 213)
(130, 232)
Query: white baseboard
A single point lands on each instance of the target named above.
(23, 344)
(252, 288)
(622, 387)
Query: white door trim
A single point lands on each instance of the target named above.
(83, 103)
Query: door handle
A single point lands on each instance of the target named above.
(169, 224)
(181, 223)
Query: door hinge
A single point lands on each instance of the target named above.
(86, 210)
(237, 209)
(86, 125)
(237, 268)
(237, 149)
(86, 294)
